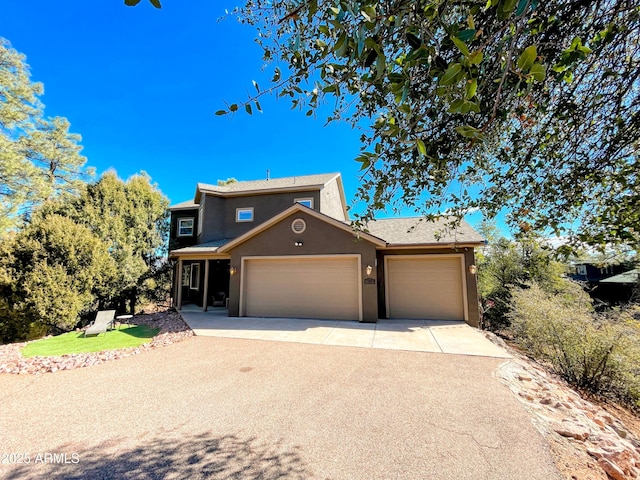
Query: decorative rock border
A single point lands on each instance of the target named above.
(172, 329)
(588, 442)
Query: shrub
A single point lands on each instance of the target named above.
(591, 352)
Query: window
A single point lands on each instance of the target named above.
(185, 227)
(200, 216)
(307, 202)
(581, 269)
(195, 277)
(186, 274)
(244, 214)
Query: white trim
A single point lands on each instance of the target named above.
(180, 220)
(304, 199)
(465, 301)
(195, 267)
(243, 260)
(243, 209)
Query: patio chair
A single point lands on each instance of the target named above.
(103, 319)
(219, 299)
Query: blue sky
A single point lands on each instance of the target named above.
(142, 85)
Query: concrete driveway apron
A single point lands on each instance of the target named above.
(414, 335)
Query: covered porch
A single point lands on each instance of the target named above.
(200, 278)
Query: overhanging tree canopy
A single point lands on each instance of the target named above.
(521, 104)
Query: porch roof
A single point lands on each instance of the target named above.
(207, 247)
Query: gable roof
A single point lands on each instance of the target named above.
(419, 231)
(252, 187)
(289, 211)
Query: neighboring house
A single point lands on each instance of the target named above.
(593, 273)
(619, 288)
(285, 248)
(609, 284)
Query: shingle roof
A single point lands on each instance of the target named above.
(419, 231)
(207, 247)
(272, 184)
(632, 276)
(184, 205)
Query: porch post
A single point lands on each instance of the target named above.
(206, 285)
(179, 285)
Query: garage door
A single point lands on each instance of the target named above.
(304, 287)
(426, 287)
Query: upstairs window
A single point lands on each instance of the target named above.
(307, 202)
(244, 214)
(185, 227)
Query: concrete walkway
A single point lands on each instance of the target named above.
(413, 335)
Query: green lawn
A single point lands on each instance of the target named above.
(75, 342)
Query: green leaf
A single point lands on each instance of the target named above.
(461, 46)
(276, 74)
(233, 107)
(450, 76)
(422, 149)
(255, 84)
(466, 35)
(521, 7)
(258, 107)
(468, 131)
(505, 7)
(456, 105)
(369, 13)
(247, 108)
(156, 3)
(131, 3)
(538, 71)
(221, 112)
(471, 88)
(476, 58)
(527, 58)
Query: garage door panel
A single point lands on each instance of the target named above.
(302, 287)
(425, 288)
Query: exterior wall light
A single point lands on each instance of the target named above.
(232, 270)
(369, 269)
(473, 269)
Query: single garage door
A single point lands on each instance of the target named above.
(425, 287)
(304, 287)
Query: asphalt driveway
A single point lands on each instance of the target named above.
(229, 408)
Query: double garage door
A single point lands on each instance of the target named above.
(425, 287)
(302, 287)
(416, 287)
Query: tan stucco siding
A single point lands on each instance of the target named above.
(331, 201)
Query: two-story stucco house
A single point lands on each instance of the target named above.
(284, 247)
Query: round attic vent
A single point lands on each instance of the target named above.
(298, 225)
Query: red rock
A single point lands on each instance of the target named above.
(612, 470)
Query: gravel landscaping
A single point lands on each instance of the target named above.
(172, 330)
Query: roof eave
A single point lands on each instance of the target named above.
(434, 245)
